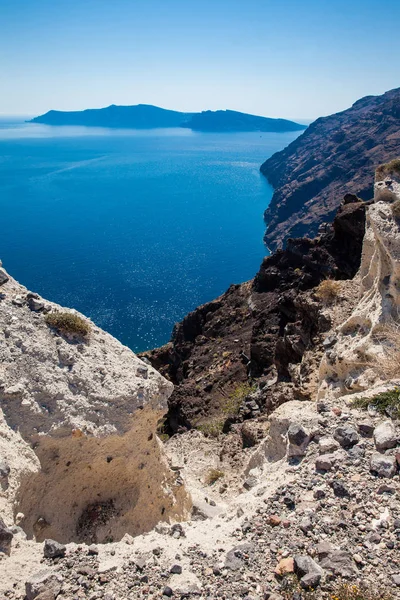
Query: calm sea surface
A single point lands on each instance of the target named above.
(132, 228)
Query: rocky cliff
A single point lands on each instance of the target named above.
(299, 499)
(259, 330)
(79, 456)
(335, 155)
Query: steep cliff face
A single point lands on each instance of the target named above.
(259, 331)
(366, 349)
(79, 414)
(335, 155)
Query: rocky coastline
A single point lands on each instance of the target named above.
(334, 156)
(257, 456)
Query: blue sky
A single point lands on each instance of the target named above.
(281, 58)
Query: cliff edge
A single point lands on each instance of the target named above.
(78, 418)
(335, 155)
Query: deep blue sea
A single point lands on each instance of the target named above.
(132, 228)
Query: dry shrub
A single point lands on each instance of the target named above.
(388, 335)
(396, 209)
(385, 195)
(68, 323)
(328, 291)
(388, 169)
(213, 475)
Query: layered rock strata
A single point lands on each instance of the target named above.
(335, 155)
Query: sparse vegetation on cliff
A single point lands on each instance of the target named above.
(386, 195)
(327, 291)
(388, 169)
(68, 323)
(213, 475)
(387, 403)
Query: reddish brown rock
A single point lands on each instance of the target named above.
(284, 566)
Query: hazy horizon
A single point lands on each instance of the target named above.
(293, 60)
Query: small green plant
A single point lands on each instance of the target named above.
(231, 405)
(328, 291)
(388, 169)
(212, 428)
(68, 323)
(229, 408)
(213, 475)
(386, 403)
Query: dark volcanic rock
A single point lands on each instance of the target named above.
(335, 155)
(53, 549)
(256, 330)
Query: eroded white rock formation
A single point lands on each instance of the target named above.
(77, 429)
(366, 341)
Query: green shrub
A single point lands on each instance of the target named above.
(229, 408)
(386, 403)
(231, 405)
(68, 323)
(212, 428)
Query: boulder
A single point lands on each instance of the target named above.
(366, 428)
(324, 549)
(4, 470)
(284, 566)
(53, 549)
(297, 435)
(43, 581)
(176, 570)
(346, 435)
(385, 435)
(325, 462)
(339, 563)
(309, 572)
(327, 444)
(383, 465)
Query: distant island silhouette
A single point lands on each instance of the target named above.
(146, 116)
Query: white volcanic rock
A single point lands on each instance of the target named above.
(79, 429)
(52, 384)
(363, 354)
(385, 436)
